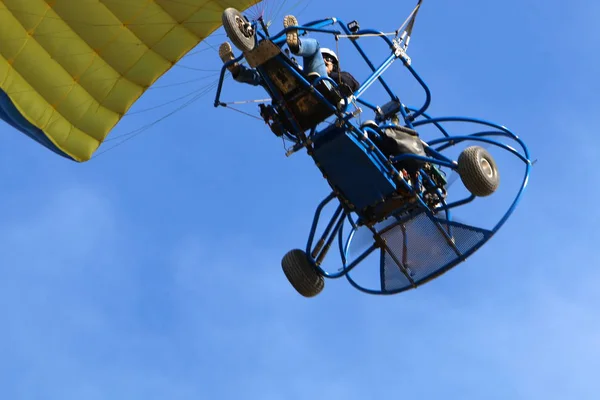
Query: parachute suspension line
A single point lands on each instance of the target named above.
(243, 112)
(272, 14)
(291, 8)
(268, 10)
(130, 135)
(195, 68)
(173, 101)
(306, 4)
(195, 52)
(201, 89)
(257, 9)
(170, 85)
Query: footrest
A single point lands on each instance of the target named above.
(423, 248)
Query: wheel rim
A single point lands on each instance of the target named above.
(487, 168)
(244, 27)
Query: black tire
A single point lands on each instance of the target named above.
(238, 30)
(478, 171)
(302, 274)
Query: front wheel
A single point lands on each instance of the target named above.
(302, 274)
(478, 171)
(238, 29)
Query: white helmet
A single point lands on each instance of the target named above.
(330, 53)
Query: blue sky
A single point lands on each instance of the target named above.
(153, 271)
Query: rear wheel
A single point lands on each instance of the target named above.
(238, 29)
(478, 171)
(302, 274)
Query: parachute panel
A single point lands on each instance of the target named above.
(69, 70)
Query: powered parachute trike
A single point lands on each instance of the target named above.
(386, 179)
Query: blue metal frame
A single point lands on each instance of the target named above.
(345, 214)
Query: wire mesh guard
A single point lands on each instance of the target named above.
(417, 250)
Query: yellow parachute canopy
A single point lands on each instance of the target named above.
(70, 69)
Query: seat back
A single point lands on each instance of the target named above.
(351, 167)
(306, 108)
